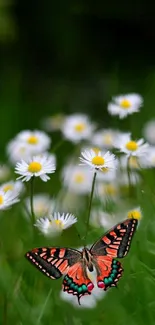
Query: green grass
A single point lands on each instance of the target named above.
(29, 298)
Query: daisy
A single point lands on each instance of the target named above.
(55, 224)
(150, 157)
(99, 219)
(4, 172)
(77, 127)
(135, 213)
(77, 179)
(134, 162)
(87, 301)
(104, 138)
(38, 166)
(107, 191)
(16, 187)
(54, 122)
(123, 179)
(131, 147)
(7, 199)
(42, 205)
(124, 105)
(37, 141)
(17, 150)
(98, 160)
(149, 131)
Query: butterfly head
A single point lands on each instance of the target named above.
(87, 257)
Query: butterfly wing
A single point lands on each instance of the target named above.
(109, 271)
(76, 281)
(53, 261)
(117, 241)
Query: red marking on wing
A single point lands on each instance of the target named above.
(53, 261)
(104, 266)
(117, 241)
(78, 276)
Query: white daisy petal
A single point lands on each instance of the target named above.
(77, 127)
(124, 105)
(7, 199)
(131, 147)
(37, 166)
(98, 160)
(55, 224)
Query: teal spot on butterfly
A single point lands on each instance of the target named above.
(84, 287)
(79, 290)
(106, 281)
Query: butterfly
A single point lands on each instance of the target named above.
(55, 262)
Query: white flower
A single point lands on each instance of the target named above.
(87, 301)
(131, 147)
(99, 219)
(37, 141)
(17, 150)
(104, 138)
(54, 122)
(124, 105)
(38, 166)
(107, 191)
(134, 162)
(16, 187)
(27, 144)
(149, 131)
(7, 199)
(42, 205)
(123, 179)
(107, 174)
(77, 179)
(148, 161)
(55, 224)
(4, 172)
(77, 127)
(98, 160)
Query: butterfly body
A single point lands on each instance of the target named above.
(75, 265)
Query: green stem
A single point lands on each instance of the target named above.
(57, 146)
(5, 310)
(89, 206)
(129, 177)
(31, 200)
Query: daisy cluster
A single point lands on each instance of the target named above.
(114, 157)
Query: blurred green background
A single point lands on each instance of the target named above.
(73, 56)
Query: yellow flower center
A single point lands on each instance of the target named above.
(105, 169)
(96, 150)
(1, 199)
(107, 139)
(133, 162)
(7, 187)
(57, 222)
(32, 139)
(110, 189)
(79, 178)
(80, 127)
(34, 167)
(132, 145)
(136, 214)
(98, 160)
(125, 104)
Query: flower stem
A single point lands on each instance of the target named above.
(129, 177)
(31, 200)
(57, 146)
(89, 206)
(5, 310)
